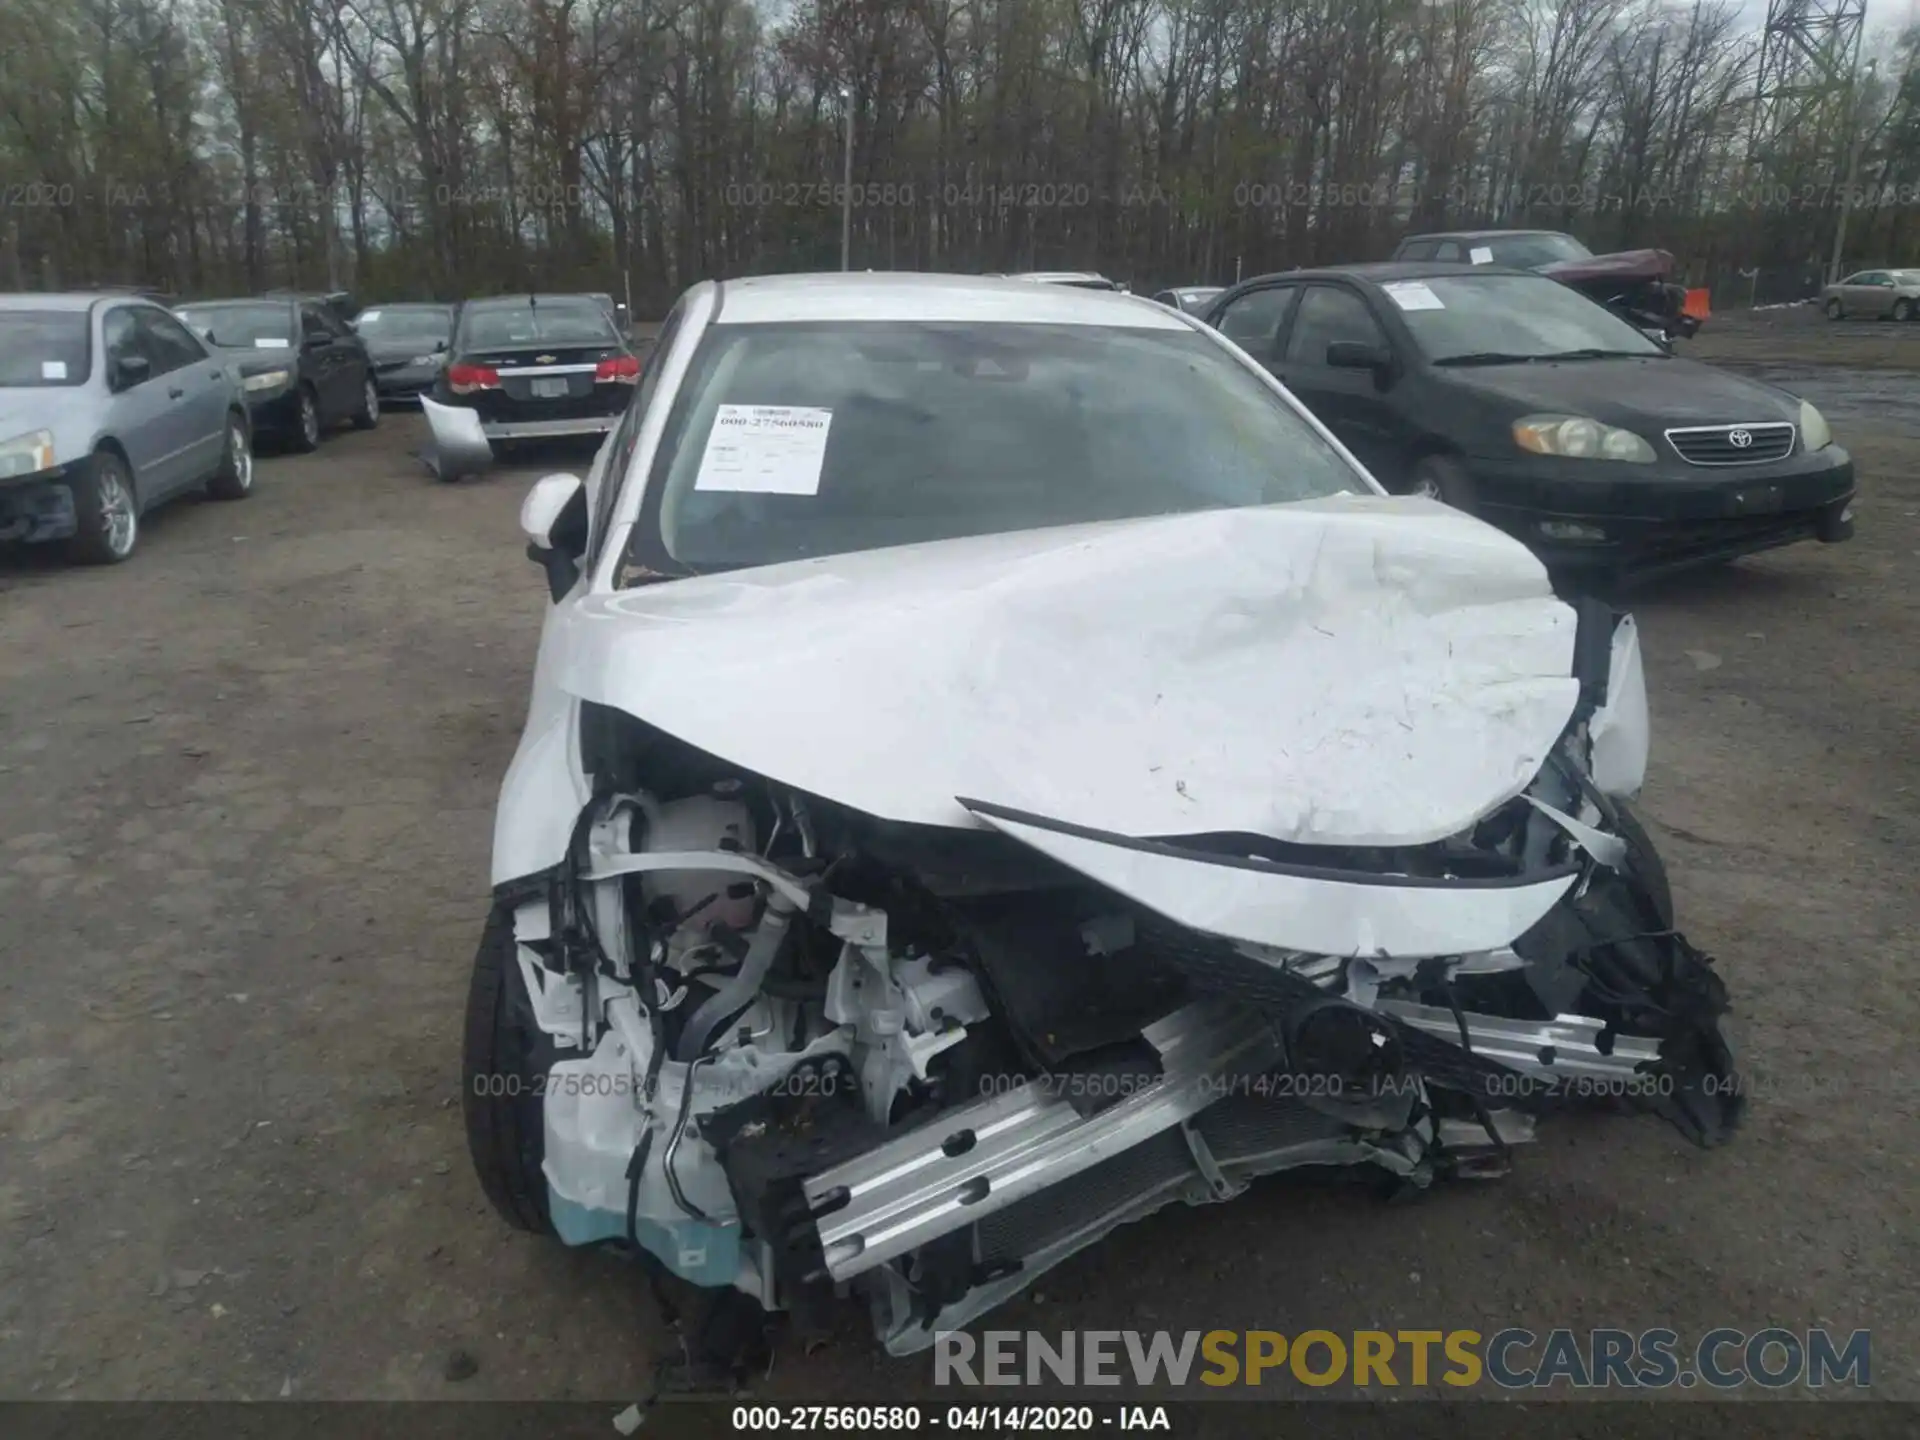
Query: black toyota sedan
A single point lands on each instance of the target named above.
(535, 367)
(302, 368)
(407, 344)
(1508, 395)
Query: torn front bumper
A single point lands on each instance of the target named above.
(37, 508)
(462, 442)
(458, 445)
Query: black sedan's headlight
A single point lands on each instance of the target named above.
(266, 381)
(1575, 437)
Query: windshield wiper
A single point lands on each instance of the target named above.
(1594, 353)
(1487, 357)
(1502, 357)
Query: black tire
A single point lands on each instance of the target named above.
(1442, 478)
(305, 435)
(505, 1051)
(1835, 310)
(1903, 310)
(234, 479)
(106, 511)
(1645, 862)
(367, 415)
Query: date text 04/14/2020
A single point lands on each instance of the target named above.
(986, 1419)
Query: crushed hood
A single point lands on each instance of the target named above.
(1356, 670)
(1619, 266)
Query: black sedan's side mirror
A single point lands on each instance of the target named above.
(1358, 355)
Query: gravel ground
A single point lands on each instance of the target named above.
(248, 784)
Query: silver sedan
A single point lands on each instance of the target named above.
(109, 406)
(1874, 294)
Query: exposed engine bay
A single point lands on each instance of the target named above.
(785, 1047)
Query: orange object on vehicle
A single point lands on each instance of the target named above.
(1699, 304)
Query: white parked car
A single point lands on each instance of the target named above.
(997, 766)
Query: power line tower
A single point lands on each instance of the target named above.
(1808, 55)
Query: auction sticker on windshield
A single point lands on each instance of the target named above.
(766, 450)
(1412, 295)
(53, 369)
(1481, 254)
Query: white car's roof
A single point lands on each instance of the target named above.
(65, 300)
(900, 295)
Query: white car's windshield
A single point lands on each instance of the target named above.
(814, 439)
(1458, 319)
(43, 347)
(265, 325)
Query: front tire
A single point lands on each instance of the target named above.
(1836, 311)
(234, 479)
(1438, 477)
(106, 512)
(368, 415)
(1903, 310)
(504, 1056)
(306, 421)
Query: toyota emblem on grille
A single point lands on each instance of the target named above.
(1740, 439)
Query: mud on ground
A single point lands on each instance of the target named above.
(248, 783)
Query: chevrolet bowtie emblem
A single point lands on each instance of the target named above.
(545, 359)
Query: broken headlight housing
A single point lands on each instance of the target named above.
(1575, 437)
(27, 454)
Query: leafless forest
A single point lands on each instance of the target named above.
(438, 147)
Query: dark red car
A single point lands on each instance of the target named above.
(1637, 285)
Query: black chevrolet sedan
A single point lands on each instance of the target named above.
(302, 368)
(534, 367)
(1508, 395)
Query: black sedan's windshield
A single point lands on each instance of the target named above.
(405, 324)
(545, 322)
(1464, 318)
(817, 439)
(266, 325)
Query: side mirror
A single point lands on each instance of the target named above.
(439, 346)
(1356, 355)
(131, 370)
(554, 520)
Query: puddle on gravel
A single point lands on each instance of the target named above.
(1886, 398)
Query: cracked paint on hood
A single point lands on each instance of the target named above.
(1355, 670)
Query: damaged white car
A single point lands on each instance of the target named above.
(996, 767)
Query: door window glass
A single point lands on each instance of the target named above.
(1328, 314)
(1253, 321)
(169, 342)
(123, 339)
